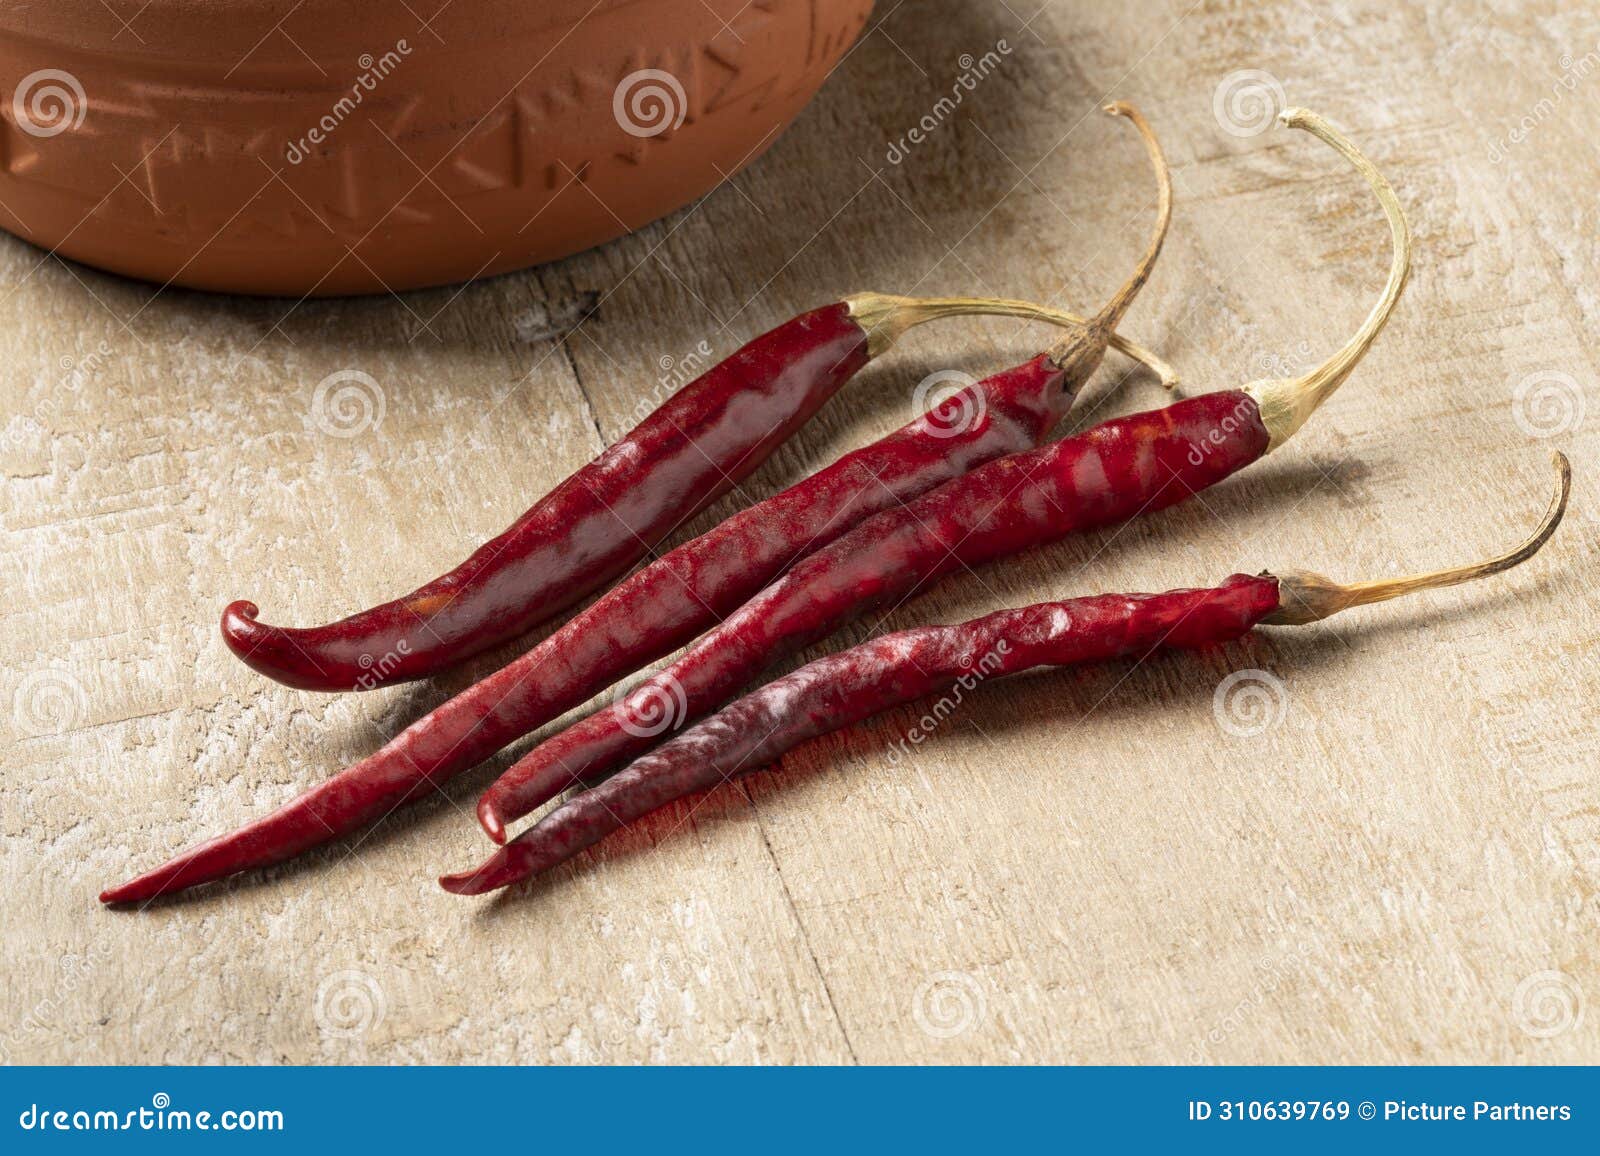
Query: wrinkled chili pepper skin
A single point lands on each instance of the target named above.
(842, 689)
(1118, 469)
(588, 530)
(651, 614)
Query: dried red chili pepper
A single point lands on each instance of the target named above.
(843, 689)
(1112, 472)
(600, 521)
(671, 601)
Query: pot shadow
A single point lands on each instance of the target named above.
(1120, 693)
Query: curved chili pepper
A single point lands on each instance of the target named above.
(668, 603)
(1116, 470)
(600, 521)
(843, 689)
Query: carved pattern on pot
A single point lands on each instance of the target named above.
(431, 179)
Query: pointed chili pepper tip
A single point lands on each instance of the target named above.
(466, 883)
(129, 892)
(501, 869)
(489, 819)
(119, 894)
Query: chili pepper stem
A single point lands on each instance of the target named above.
(886, 318)
(1305, 597)
(1090, 340)
(1286, 403)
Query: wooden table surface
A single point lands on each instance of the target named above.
(1383, 846)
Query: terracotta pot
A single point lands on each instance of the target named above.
(350, 146)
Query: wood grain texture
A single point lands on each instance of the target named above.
(1078, 866)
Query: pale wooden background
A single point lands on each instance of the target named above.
(1079, 867)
